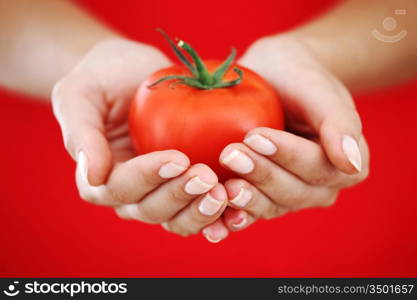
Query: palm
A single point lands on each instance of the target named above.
(117, 133)
(114, 72)
(301, 81)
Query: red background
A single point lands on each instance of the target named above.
(46, 230)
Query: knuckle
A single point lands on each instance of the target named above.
(178, 197)
(185, 234)
(149, 180)
(323, 178)
(149, 215)
(298, 200)
(272, 212)
(263, 178)
(191, 231)
(181, 230)
(329, 200)
(292, 156)
(200, 220)
(118, 195)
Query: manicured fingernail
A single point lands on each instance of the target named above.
(82, 166)
(260, 144)
(196, 186)
(240, 221)
(351, 150)
(239, 162)
(214, 236)
(209, 205)
(243, 198)
(170, 170)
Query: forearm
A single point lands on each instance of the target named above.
(42, 40)
(343, 41)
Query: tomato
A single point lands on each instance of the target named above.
(201, 122)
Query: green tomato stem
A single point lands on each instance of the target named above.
(202, 79)
(203, 74)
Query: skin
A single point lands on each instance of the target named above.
(314, 68)
(309, 167)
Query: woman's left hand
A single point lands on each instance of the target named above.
(322, 151)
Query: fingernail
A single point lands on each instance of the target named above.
(171, 170)
(240, 221)
(351, 150)
(260, 144)
(209, 205)
(196, 186)
(214, 236)
(243, 198)
(82, 166)
(239, 162)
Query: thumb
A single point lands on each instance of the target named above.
(332, 114)
(80, 116)
(340, 135)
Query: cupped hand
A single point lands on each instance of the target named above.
(322, 151)
(91, 105)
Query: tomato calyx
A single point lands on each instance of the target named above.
(202, 78)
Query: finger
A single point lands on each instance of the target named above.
(132, 180)
(276, 183)
(216, 231)
(200, 213)
(236, 220)
(80, 116)
(302, 157)
(165, 202)
(244, 196)
(330, 110)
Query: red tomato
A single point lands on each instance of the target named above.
(200, 123)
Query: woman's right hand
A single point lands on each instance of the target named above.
(91, 104)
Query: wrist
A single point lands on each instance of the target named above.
(326, 50)
(134, 55)
(274, 56)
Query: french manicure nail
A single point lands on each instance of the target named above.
(260, 144)
(170, 170)
(239, 162)
(196, 186)
(352, 152)
(243, 198)
(240, 221)
(82, 166)
(212, 236)
(209, 205)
